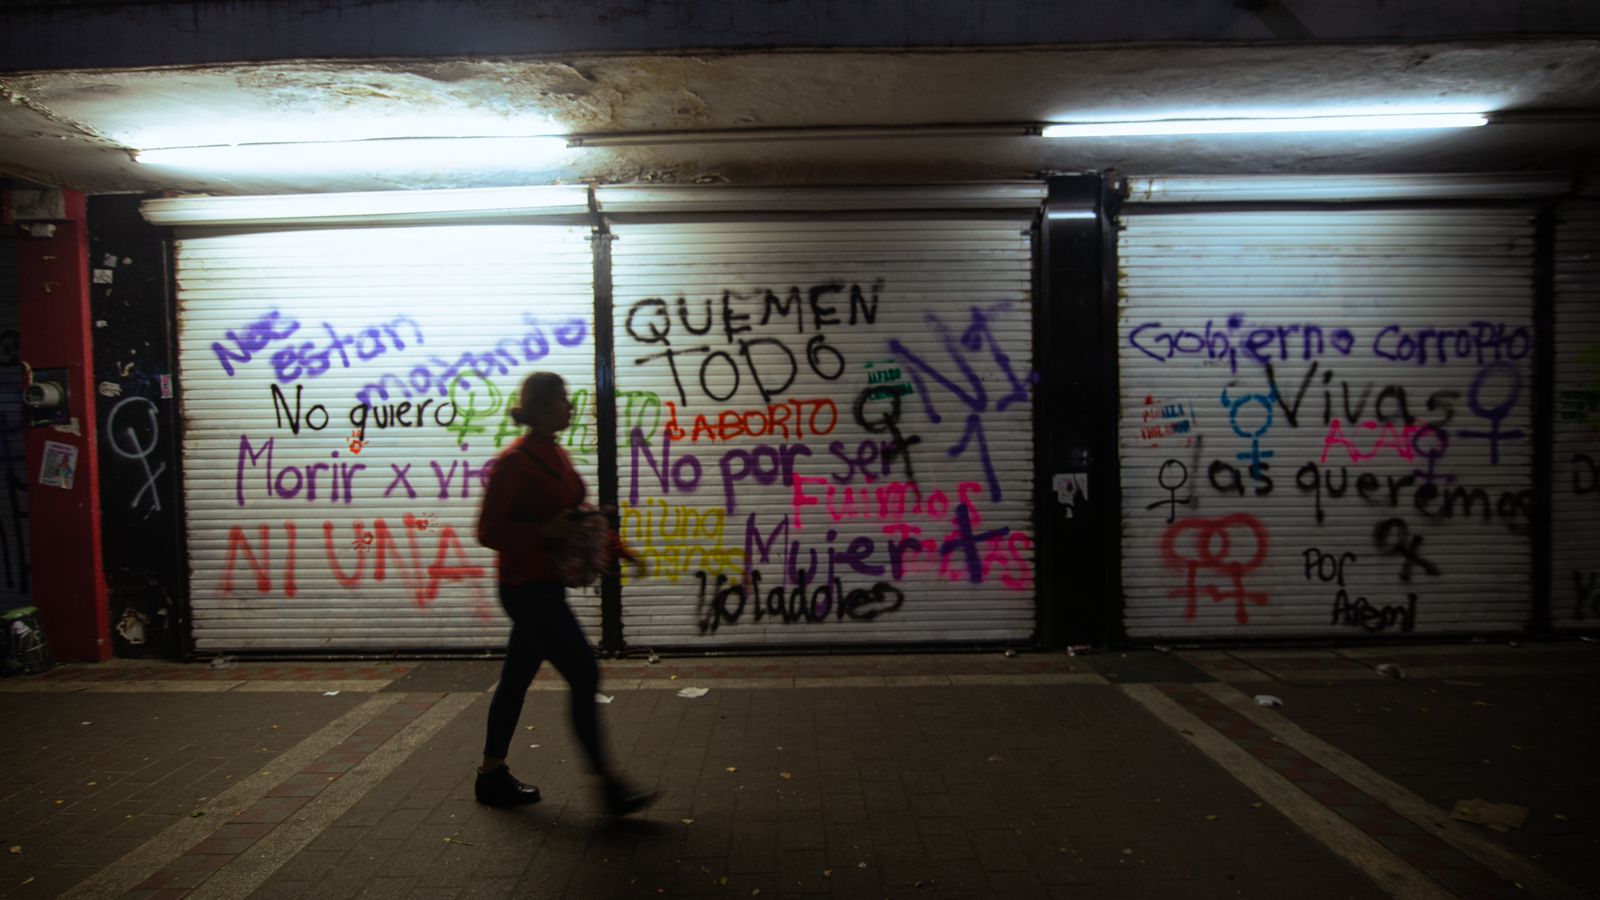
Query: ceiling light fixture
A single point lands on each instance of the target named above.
(1407, 122)
(380, 153)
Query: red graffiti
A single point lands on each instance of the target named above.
(1199, 545)
(805, 418)
(422, 577)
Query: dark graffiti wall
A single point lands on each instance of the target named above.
(15, 581)
(136, 403)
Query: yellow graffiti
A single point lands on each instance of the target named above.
(678, 541)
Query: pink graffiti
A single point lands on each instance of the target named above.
(914, 522)
(1397, 439)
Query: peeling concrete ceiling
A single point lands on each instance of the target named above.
(76, 129)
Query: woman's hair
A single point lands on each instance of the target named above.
(537, 389)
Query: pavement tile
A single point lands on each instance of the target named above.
(283, 889)
(897, 777)
(998, 850)
(801, 872)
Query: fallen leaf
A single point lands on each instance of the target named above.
(994, 759)
(733, 768)
(1127, 851)
(722, 880)
(533, 746)
(1211, 818)
(93, 783)
(1256, 805)
(16, 848)
(59, 802)
(861, 865)
(196, 814)
(687, 821)
(827, 873)
(754, 892)
(1560, 817)
(785, 775)
(85, 723)
(602, 698)
(1501, 817)
(673, 678)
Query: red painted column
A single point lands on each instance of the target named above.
(69, 586)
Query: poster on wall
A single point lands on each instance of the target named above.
(59, 466)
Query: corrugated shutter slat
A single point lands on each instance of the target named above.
(955, 292)
(1324, 415)
(447, 316)
(1575, 576)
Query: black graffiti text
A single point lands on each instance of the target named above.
(1361, 613)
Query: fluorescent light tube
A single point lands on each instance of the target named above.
(385, 153)
(1266, 126)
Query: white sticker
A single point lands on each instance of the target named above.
(1071, 489)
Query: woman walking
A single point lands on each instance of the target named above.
(531, 487)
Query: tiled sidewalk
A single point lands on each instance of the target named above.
(961, 775)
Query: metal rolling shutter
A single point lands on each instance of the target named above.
(1242, 334)
(737, 482)
(14, 544)
(1575, 582)
(445, 317)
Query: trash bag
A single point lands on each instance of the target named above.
(24, 650)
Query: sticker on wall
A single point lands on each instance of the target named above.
(1071, 489)
(60, 465)
(166, 387)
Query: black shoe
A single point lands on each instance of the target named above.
(623, 799)
(499, 788)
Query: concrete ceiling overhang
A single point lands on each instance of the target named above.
(76, 128)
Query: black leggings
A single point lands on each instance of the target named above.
(543, 627)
